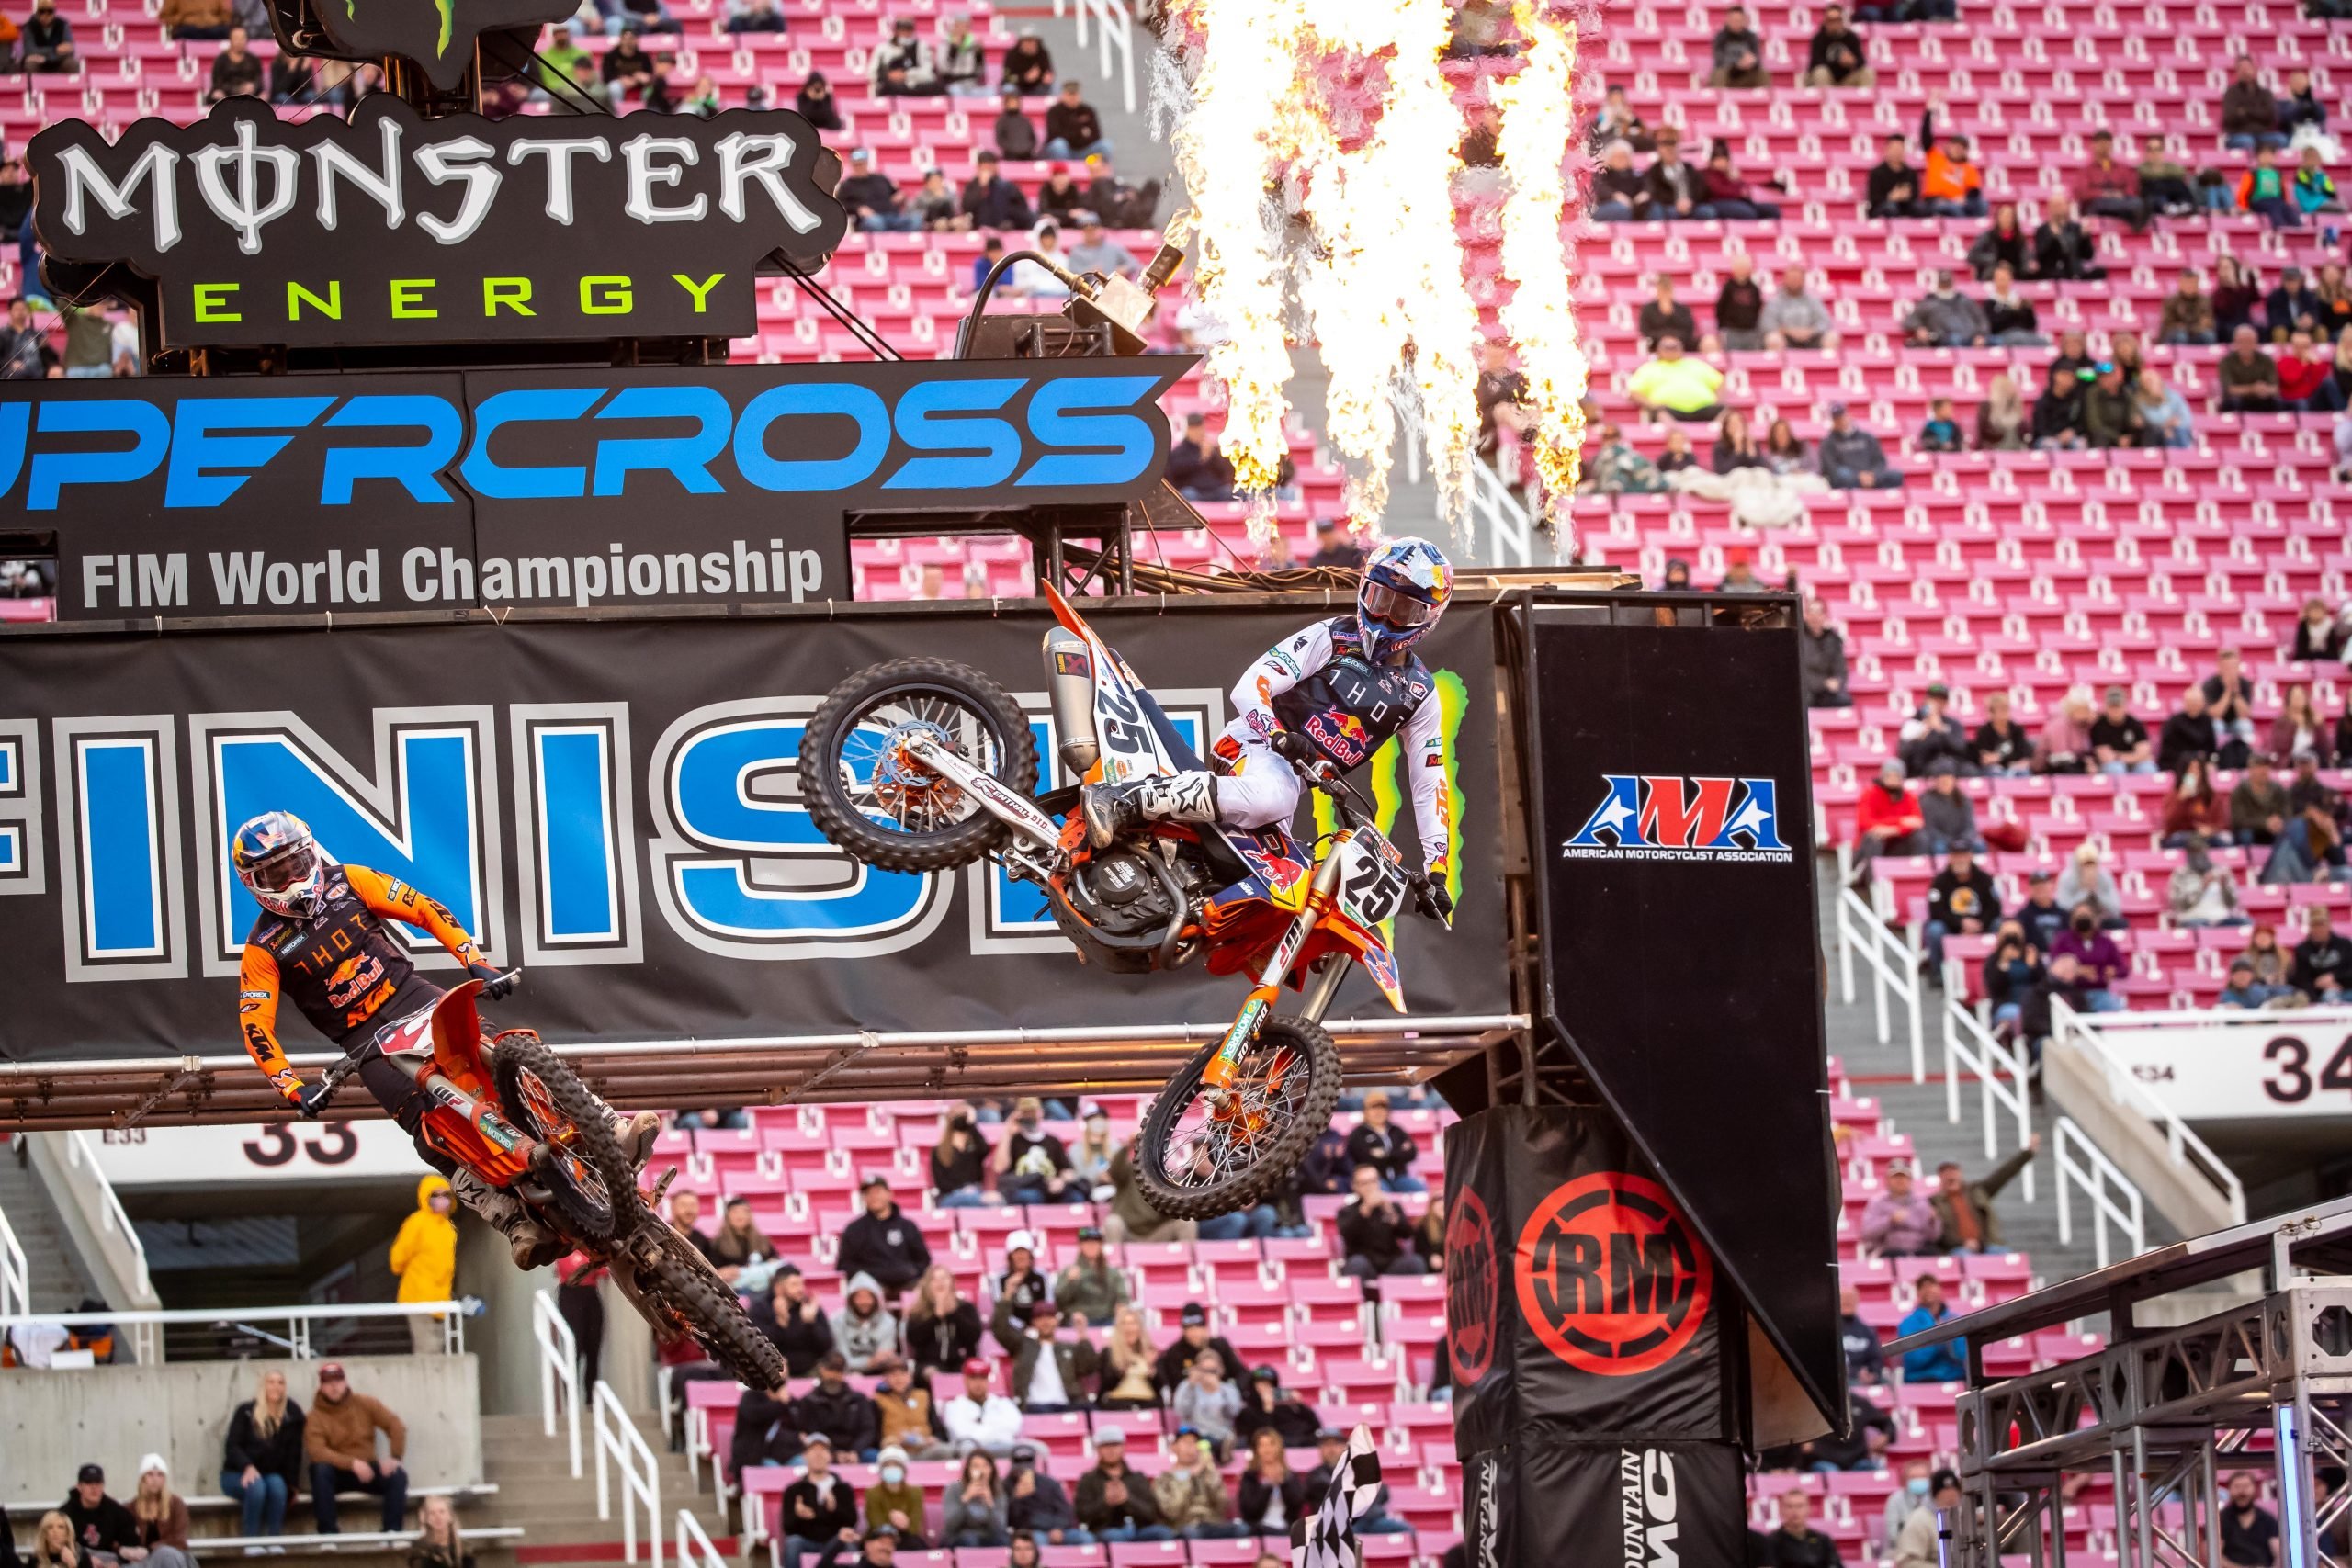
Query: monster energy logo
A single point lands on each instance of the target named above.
(373, 230)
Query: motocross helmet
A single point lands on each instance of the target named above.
(1403, 592)
(280, 864)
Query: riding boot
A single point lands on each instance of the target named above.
(533, 1244)
(1115, 808)
(637, 1133)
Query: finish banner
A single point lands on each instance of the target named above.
(1591, 1346)
(1674, 861)
(722, 484)
(615, 805)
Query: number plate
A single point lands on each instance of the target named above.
(1372, 888)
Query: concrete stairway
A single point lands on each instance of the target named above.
(59, 1282)
(1883, 1072)
(557, 1514)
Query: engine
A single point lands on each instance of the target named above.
(1126, 897)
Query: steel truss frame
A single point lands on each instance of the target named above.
(2166, 1413)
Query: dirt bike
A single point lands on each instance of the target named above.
(507, 1107)
(927, 764)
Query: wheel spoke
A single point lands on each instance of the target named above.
(887, 785)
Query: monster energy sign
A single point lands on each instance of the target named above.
(391, 229)
(438, 37)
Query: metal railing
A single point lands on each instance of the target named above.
(2080, 1164)
(692, 1545)
(559, 1367)
(16, 1275)
(2187, 1150)
(1509, 525)
(1118, 27)
(620, 1446)
(81, 1158)
(2003, 1073)
(145, 1328)
(1894, 959)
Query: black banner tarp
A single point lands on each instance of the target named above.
(1593, 1351)
(612, 805)
(1681, 936)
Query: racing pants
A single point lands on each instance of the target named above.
(393, 1088)
(1255, 786)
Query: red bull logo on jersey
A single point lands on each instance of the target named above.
(1668, 817)
(1341, 736)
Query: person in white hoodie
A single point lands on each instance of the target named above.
(864, 1329)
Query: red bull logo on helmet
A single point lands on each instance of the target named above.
(1668, 817)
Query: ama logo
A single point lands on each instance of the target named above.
(1668, 817)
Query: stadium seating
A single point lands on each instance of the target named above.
(1284, 1302)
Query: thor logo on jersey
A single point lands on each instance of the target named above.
(1668, 817)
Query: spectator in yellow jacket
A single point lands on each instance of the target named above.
(424, 1256)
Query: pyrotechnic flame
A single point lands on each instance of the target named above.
(1304, 184)
(1538, 119)
(1227, 146)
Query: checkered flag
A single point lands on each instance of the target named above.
(1328, 1538)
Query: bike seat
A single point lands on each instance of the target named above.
(1270, 854)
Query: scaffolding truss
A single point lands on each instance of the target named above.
(2168, 1413)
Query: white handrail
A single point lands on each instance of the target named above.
(1967, 1044)
(1510, 527)
(146, 1326)
(1118, 35)
(618, 1439)
(694, 1547)
(2094, 1180)
(82, 1155)
(559, 1366)
(1894, 961)
(16, 1275)
(2187, 1150)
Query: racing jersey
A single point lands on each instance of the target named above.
(1322, 685)
(339, 966)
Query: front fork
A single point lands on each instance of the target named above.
(1260, 1004)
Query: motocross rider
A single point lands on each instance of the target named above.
(320, 939)
(1332, 694)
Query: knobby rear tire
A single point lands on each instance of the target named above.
(839, 820)
(689, 1287)
(1282, 1155)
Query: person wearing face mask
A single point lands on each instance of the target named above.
(891, 1501)
(2098, 962)
(1918, 1543)
(1032, 1166)
(1904, 1501)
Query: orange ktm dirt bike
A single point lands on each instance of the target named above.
(508, 1108)
(927, 764)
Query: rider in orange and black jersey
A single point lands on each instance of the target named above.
(348, 974)
(321, 943)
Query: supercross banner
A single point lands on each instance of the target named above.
(1681, 935)
(1592, 1348)
(718, 484)
(616, 807)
